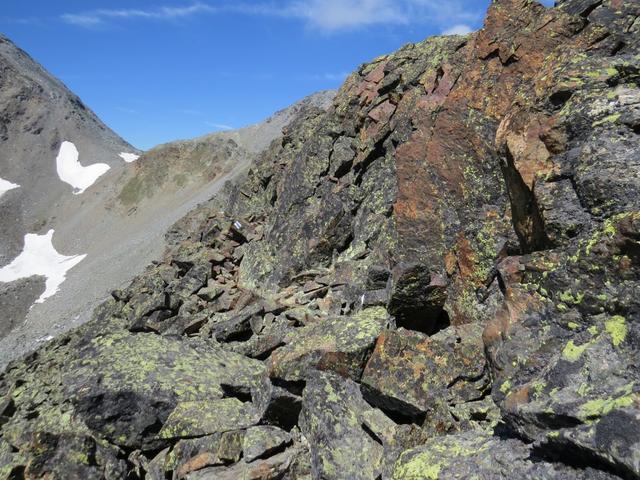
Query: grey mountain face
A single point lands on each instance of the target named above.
(119, 221)
(38, 113)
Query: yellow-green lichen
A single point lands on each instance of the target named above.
(583, 389)
(617, 328)
(506, 387)
(600, 407)
(538, 386)
(569, 298)
(420, 467)
(572, 352)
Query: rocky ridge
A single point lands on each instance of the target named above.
(195, 163)
(117, 223)
(435, 278)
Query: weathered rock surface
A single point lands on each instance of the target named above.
(417, 376)
(435, 278)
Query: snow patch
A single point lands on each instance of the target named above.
(129, 157)
(39, 257)
(70, 171)
(6, 185)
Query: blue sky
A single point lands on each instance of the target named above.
(159, 70)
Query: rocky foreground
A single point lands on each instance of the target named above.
(437, 278)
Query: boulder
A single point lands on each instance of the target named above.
(414, 375)
(345, 434)
(338, 344)
(264, 441)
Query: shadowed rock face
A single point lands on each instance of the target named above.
(435, 278)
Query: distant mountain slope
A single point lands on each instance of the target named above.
(38, 114)
(81, 210)
(183, 163)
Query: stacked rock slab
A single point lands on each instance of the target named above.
(436, 278)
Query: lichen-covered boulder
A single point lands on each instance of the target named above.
(134, 389)
(337, 344)
(566, 364)
(483, 456)
(62, 456)
(263, 441)
(345, 434)
(417, 376)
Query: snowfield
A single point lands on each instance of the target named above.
(6, 185)
(39, 257)
(129, 157)
(70, 171)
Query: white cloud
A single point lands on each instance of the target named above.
(459, 29)
(86, 21)
(325, 15)
(6, 185)
(98, 17)
(346, 14)
(72, 172)
(39, 257)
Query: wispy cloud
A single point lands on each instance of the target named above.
(98, 17)
(325, 15)
(346, 14)
(460, 29)
(219, 126)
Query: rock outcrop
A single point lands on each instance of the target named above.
(104, 200)
(435, 278)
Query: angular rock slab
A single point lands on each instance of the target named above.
(586, 399)
(195, 454)
(413, 374)
(339, 344)
(126, 387)
(476, 454)
(272, 468)
(566, 356)
(262, 441)
(345, 434)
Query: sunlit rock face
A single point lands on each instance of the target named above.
(437, 278)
